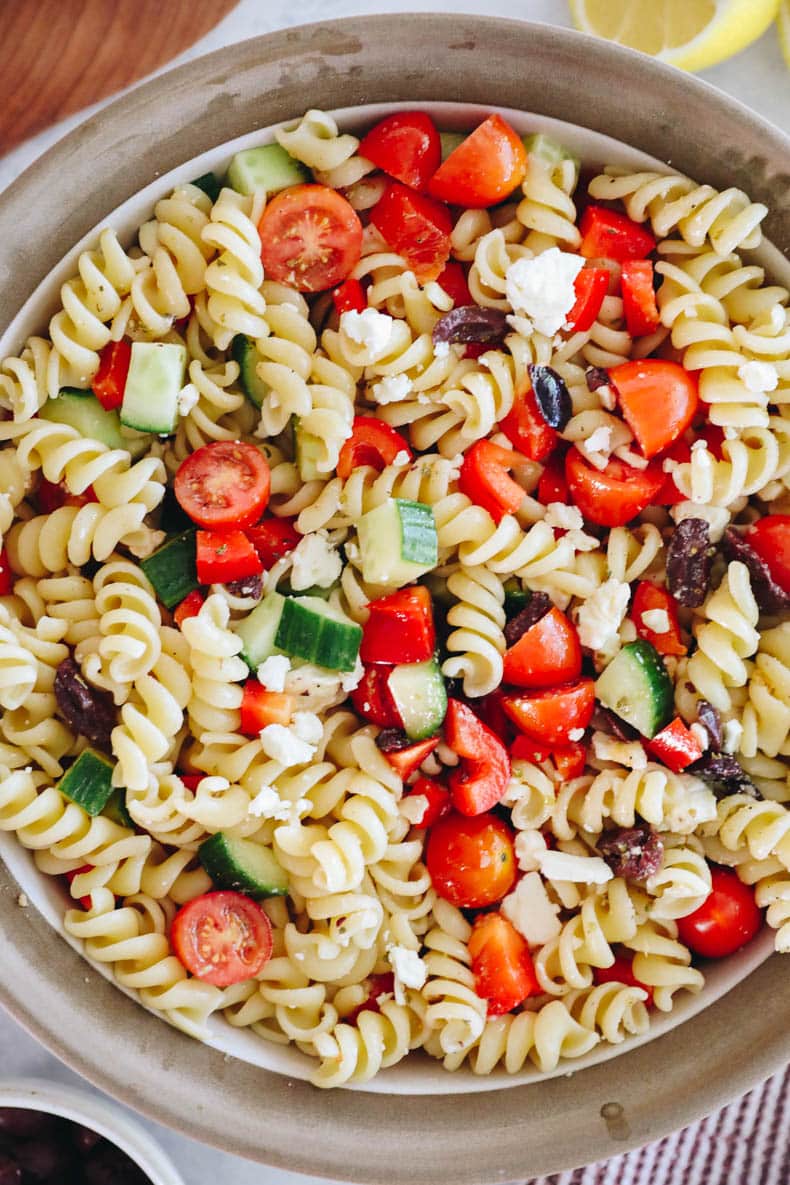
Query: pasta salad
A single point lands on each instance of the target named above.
(394, 638)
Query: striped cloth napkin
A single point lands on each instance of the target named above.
(748, 1143)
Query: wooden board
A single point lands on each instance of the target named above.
(59, 56)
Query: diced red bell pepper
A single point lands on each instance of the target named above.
(527, 430)
(591, 286)
(373, 443)
(6, 574)
(613, 496)
(406, 146)
(272, 539)
(658, 399)
(613, 235)
(675, 746)
(490, 710)
(621, 971)
(382, 984)
(652, 596)
(399, 628)
(485, 167)
(406, 761)
(50, 496)
(192, 781)
(85, 902)
(416, 227)
(501, 964)
(349, 297)
(109, 382)
(481, 779)
(438, 801)
(639, 297)
(373, 699)
(260, 708)
(553, 485)
(570, 760)
(548, 716)
(485, 479)
(189, 607)
(453, 280)
(547, 654)
(223, 556)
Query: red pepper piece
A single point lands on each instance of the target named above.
(372, 442)
(373, 699)
(260, 708)
(652, 596)
(223, 556)
(675, 746)
(6, 574)
(621, 971)
(406, 761)
(611, 235)
(189, 607)
(109, 382)
(349, 297)
(272, 539)
(553, 485)
(527, 430)
(639, 297)
(439, 802)
(453, 280)
(482, 777)
(484, 478)
(590, 286)
(382, 984)
(400, 628)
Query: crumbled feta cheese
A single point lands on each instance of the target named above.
(413, 808)
(401, 458)
(441, 349)
(581, 541)
(565, 866)
(565, 518)
(600, 616)
(307, 727)
(758, 377)
(627, 753)
(267, 804)
(315, 562)
(282, 744)
(700, 732)
(273, 671)
(599, 442)
(668, 465)
(542, 288)
(391, 389)
(187, 399)
(410, 971)
(575, 734)
(370, 328)
(531, 911)
(656, 620)
(350, 680)
(731, 736)
(717, 517)
(530, 846)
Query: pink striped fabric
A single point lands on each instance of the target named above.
(748, 1143)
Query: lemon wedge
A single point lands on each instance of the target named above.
(692, 34)
(783, 29)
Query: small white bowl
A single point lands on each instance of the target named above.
(35, 1094)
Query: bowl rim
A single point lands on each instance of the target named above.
(354, 1135)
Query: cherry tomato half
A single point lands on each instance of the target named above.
(484, 168)
(658, 400)
(726, 920)
(471, 859)
(501, 964)
(405, 145)
(770, 538)
(311, 238)
(222, 937)
(613, 496)
(224, 484)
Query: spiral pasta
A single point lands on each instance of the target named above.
(766, 715)
(477, 642)
(727, 637)
(234, 277)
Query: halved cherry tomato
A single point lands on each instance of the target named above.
(484, 168)
(406, 146)
(373, 699)
(481, 779)
(222, 937)
(6, 574)
(416, 227)
(553, 484)
(726, 920)
(52, 495)
(223, 556)
(406, 761)
(189, 607)
(379, 985)
(652, 596)
(591, 286)
(372, 442)
(350, 297)
(471, 861)
(272, 539)
(639, 297)
(658, 400)
(547, 654)
(399, 628)
(613, 496)
(570, 760)
(71, 876)
(675, 746)
(260, 708)
(311, 238)
(527, 430)
(608, 233)
(484, 478)
(525, 749)
(109, 382)
(548, 716)
(770, 538)
(437, 799)
(224, 484)
(452, 279)
(501, 964)
(621, 971)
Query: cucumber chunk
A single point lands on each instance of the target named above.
(156, 376)
(551, 152)
(397, 542)
(210, 184)
(309, 449)
(258, 630)
(420, 697)
(172, 569)
(244, 352)
(116, 809)
(82, 411)
(88, 782)
(636, 687)
(270, 168)
(450, 141)
(303, 627)
(243, 865)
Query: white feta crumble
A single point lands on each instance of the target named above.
(758, 377)
(413, 808)
(315, 562)
(717, 517)
(272, 672)
(401, 458)
(731, 736)
(370, 328)
(187, 399)
(627, 753)
(542, 288)
(282, 744)
(307, 727)
(700, 732)
(600, 616)
(410, 971)
(530, 846)
(564, 518)
(575, 734)
(599, 442)
(267, 804)
(656, 620)
(350, 680)
(391, 389)
(531, 911)
(565, 866)
(441, 349)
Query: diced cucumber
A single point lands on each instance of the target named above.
(303, 627)
(420, 697)
(172, 569)
(308, 449)
(244, 352)
(397, 542)
(210, 184)
(636, 687)
(81, 410)
(269, 168)
(156, 376)
(450, 141)
(116, 809)
(551, 152)
(88, 782)
(516, 597)
(243, 865)
(258, 630)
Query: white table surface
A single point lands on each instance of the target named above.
(758, 77)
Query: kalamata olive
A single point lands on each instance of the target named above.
(552, 396)
(10, 1172)
(632, 852)
(248, 586)
(605, 721)
(770, 597)
(596, 377)
(41, 1159)
(709, 718)
(724, 774)
(21, 1123)
(689, 562)
(392, 740)
(107, 1165)
(470, 323)
(83, 1138)
(536, 607)
(89, 712)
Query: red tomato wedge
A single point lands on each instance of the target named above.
(485, 479)
(406, 761)
(611, 235)
(373, 699)
(224, 556)
(406, 146)
(272, 539)
(310, 238)
(675, 746)
(570, 760)
(548, 653)
(350, 297)
(189, 607)
(400, 628)
(658, 400)
(639, 297)
(452, 279)
(481, 779)
(416, 227)
(621, 971)
(591, 286)
(652, 596)
(553, 484)
(770, 538)
(527, 430)
(501, 964)
(109, 382)
(548, 716)
(471, 861)
(373, 443)
(437, 799)
(223, 484)
(260, 708)
(222, 937)
(726, 921)
(484, 168)
(613, 496)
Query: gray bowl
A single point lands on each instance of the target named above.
(392, 1138)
